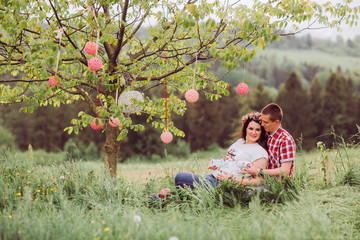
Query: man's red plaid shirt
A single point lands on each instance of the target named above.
(281, 148)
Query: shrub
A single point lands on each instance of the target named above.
(7, 139)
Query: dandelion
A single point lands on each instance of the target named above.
(137, 219)
(106, 229)
(18, 174)
(51, 189)
(38, 191)
(18, 194)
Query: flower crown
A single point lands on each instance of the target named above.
(253, 115)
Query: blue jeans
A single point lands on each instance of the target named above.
(186, 179)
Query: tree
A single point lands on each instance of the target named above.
(335, 101)
(141, 43)
(293, 99)
(317, 120)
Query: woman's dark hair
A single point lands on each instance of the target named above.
(262, 141)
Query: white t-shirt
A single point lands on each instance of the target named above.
(239, 155)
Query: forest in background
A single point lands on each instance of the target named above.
(315, 81)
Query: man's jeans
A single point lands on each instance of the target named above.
(186, 179)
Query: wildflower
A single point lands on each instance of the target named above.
(137, 219)
(51, 189)
(62, 177)
(328, 149)
(10, 216)
(92, 222)
(173, 238)
(38, 191)
(18, 174)
(25, 187)
(29, 172)
(18, 194)
(106, 229)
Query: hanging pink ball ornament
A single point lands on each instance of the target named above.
(114, 122)
(242, 88)
(97, 126)
(95, 64)
(191, 95)
(166, 137)
(53, 81)
(90, 48)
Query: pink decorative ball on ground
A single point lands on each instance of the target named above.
(242, 88)
(114, 122)
(90, 48)
(96, 124)
(53, 81)
(191, 95)
(165, 191)
(95, 64)
(166, 137)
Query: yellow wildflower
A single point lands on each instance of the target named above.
(18, 194)
(106, 229)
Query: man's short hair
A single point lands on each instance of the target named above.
(274, 111)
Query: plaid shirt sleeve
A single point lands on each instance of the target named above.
(287, 151)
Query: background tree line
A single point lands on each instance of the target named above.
(314, 97)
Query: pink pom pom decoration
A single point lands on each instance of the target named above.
(191, 95)
(165, 191)
(95, 64)
(90, 48)
(114, 122)
(242, 88)
(166, 137)
(94, 126)
(53, 81)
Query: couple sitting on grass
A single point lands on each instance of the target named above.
(264, 149)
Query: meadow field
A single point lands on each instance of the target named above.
(43, 196)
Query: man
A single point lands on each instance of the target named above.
(281, 145)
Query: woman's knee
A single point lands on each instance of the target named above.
(183, 179)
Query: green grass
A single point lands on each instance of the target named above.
(314, 57)
(76, 200)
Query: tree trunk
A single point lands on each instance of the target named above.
(111, 149)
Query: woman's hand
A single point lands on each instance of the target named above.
(224, 176)
(212, 167)
(252, 170)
